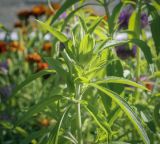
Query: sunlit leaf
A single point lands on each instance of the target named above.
(128, 111)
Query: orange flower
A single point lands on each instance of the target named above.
(38, 10)
(56, 6)
(3, 46)
(24, 14)
(34, 57)
(105, 17)
(47, 46)
(45, 122)
(18, 24)
(49, 12)
(42, 66)
(149, 86)
(16, 46)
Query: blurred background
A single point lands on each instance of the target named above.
(9, 9)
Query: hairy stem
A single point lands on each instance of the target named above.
(78, 110)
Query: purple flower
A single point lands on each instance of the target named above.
(133, 51)
(124, 16)
(6, 91)
(4, 116)
(4, 65)
(124, 52)
(144, 20)
(63, 15)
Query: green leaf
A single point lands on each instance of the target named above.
(60, 36)
(106, 128)
(86, 45)
(155, 29)
(119, 80)
(67, 4)
(37, 108)
(72, 13)
(113, 18)
(127, 109)
(3, 27)
(134, 23)
(32, 78)
(112, 43)
(145, 49)
(115, 68)
(157, 114)
(53, 138)
(34, 135)
(83, 24)
(94, 25)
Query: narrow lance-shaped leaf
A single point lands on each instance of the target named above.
(119, 80)
(67, 4)
(98, 121)
(37, 108)
(127, 109)
(134, 23)
(112, 19)
(155, 28)
(53, 138)
(32, 78)
(145, 49)
(60, 36)
(112, 43)
(94, 25)
(72, 13)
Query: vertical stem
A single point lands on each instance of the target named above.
(106, 8)
(78, 110)
(138, 59)
(138, 56)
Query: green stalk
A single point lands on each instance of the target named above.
(138, 59)
(138, 55)
(78, 110)
(106, 8)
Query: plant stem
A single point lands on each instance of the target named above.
(78, 110)
(106, 8)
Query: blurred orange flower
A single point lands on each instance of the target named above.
(38, 10)
(47, 46)
(34, 57)
(56, 6)
(16, 46)
(24, 14)
(42, 66)
(3, 46)
(149, 85)
(105, 17)
(18, 24)
(45, 122)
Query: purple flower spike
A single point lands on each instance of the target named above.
(134, 51)
(124, 17)
(4, 65)
(124, 52)
(6, 91)
(144, 20)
